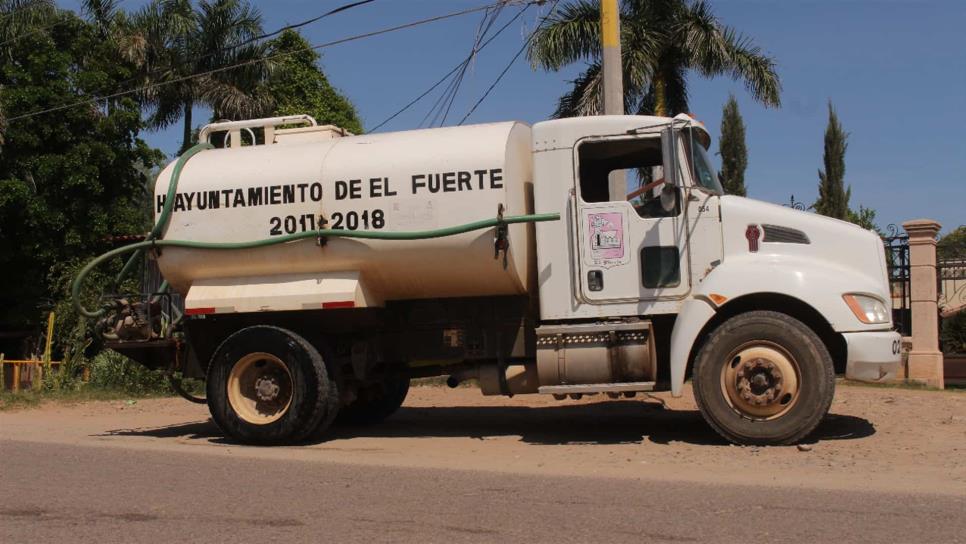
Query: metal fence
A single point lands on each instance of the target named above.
(896, 244)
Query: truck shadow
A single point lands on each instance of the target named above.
(621, 422)
(625, 422)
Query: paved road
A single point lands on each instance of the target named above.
(52, 492)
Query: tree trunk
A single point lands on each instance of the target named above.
(186, 140)
(660, 95)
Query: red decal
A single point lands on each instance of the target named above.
(752, 233)
(198, 311)
(342, 304)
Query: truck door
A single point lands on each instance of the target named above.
(631, 246)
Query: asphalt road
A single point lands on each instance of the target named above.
(52, 492)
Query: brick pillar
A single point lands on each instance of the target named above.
(925, 359)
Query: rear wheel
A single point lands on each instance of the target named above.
(268, 385)
(376, 403)
(763, 378)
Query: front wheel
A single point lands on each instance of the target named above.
(268, 385)
(763, 378)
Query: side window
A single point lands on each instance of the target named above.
(641, 161)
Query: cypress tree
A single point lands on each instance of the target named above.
(734, 154)
(833, 196)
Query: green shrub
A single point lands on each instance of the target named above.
(110, 370)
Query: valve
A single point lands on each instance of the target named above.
(500, 241)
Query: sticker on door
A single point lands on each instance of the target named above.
(606, 231)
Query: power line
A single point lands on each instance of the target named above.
(303, 23)
(24, 7)
(57, 19)
(476, 43)
(256, 38)
(253, 61)
(223, 49)
(44, 28)
(452, 88)
(507, 68)
(450, 73)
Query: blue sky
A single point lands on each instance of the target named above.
(894, 69)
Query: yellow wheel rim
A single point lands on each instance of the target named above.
(760, 380)
(260, 388)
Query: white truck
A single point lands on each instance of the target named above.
(322, 271)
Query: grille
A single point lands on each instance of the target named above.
(784, 235)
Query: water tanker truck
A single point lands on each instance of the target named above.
(322, 271)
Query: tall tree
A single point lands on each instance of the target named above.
(953, 244)
(298, 85)
(18, 19)
(734, 154)
(833, 195)
(202, 55)
(865, 218)
(70, 179)
(661, 41)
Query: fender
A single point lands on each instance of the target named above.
(819, 284)
(694, 315)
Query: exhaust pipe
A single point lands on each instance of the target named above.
(460, 376)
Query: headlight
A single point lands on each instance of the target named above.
(868, 310)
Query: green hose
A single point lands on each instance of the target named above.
(138, 248)
(162, 219)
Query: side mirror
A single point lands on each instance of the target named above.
(670, 156)
(669, 198)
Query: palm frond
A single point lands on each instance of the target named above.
(586, 97)
(757, 70)
(567, 36)
(103, 13)
(20, 17)
(714, 49)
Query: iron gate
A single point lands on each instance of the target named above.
(896, 244)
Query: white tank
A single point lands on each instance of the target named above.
(404, 181)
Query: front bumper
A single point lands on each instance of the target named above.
(873, 356)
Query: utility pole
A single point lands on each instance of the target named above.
(610, 38)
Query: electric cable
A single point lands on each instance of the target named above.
(254, 61)
(448, 74)
(507, 68)
(257, 38)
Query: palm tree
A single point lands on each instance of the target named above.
(22, 17)
(661, 40)
(172, 42)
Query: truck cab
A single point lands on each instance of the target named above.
(674, 248)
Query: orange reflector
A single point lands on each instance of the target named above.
(341, 304)
(718, 299)
(199, 311)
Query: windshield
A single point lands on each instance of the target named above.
(702, 169)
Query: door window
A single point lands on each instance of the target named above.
(641, 162)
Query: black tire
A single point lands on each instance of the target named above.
(376, 403)
(802, 349)
(312, 396)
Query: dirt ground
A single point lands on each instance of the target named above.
(875, 439)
